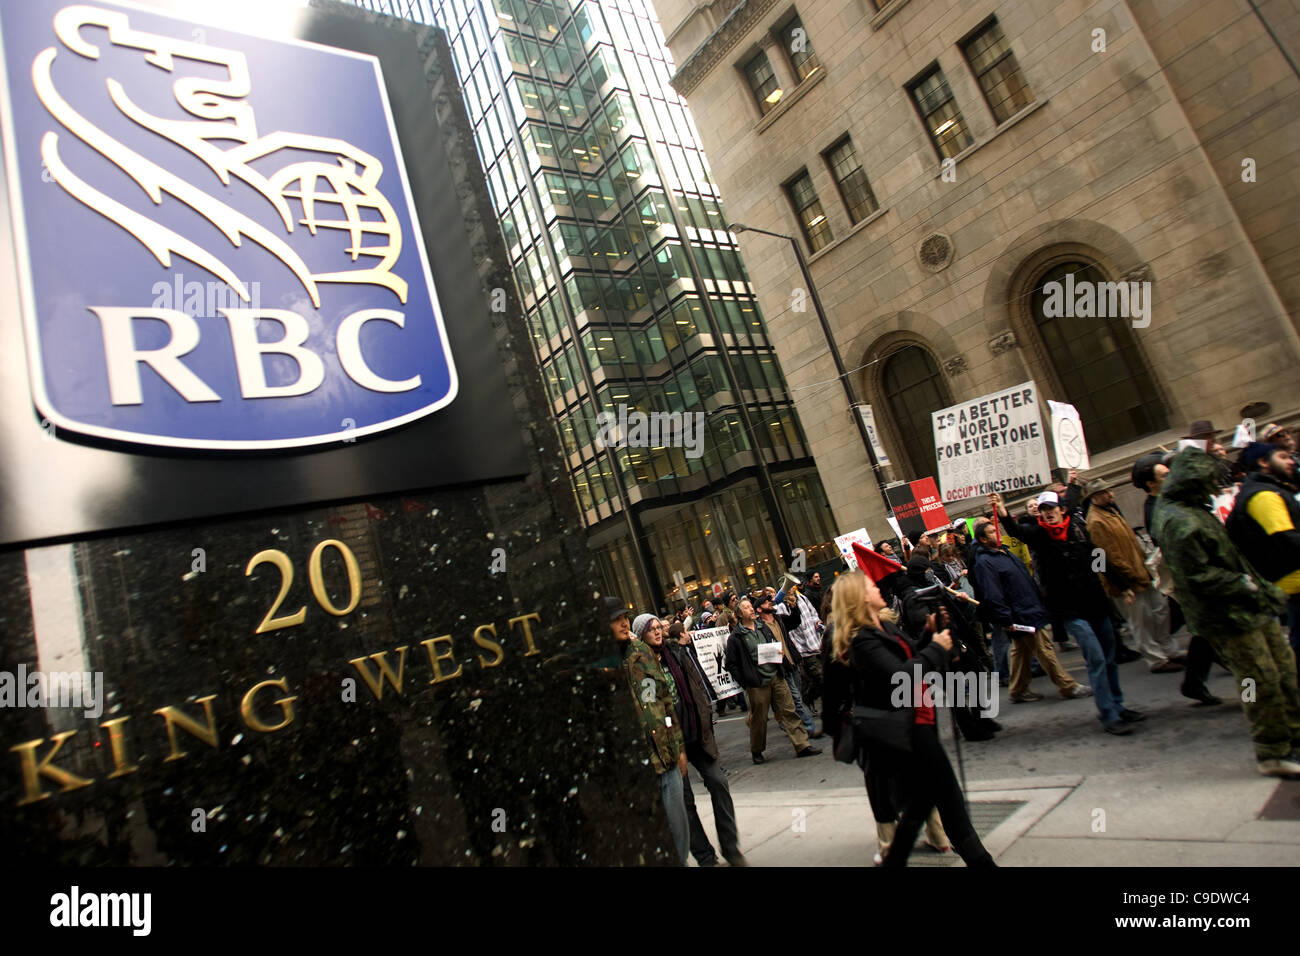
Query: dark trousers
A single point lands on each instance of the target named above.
(926, 781)
(724, 811)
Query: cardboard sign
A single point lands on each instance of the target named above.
(992, 443)
(845, 543)
(711, 649)
(1067, 436)
(917, 506)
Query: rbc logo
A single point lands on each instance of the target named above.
(267, 168)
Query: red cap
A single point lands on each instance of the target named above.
(873, 565)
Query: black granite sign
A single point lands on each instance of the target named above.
(410, 678)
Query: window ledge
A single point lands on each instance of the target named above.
(890, 9)
(848, 235)
(1005, 125)
(795, 96)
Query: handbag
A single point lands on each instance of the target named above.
(885, 728)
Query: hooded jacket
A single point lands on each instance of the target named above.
(1007, 592)
(1220, 593)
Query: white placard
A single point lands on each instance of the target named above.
(845, 543)
(991, 443)
(893, 525)
(711, 650)
(769, 654)
(869, 419)
(1067, 434)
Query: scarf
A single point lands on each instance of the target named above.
(685, 704)
(1055, 531)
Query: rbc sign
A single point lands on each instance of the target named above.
(218, 247)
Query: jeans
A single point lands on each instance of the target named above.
(1096, 639)
(724, 811)
(1001, 645)
(805, 716)
(671, 789)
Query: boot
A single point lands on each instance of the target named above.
(935, 835)
(972, 852)
(884, 837)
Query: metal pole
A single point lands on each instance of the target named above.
(835, 354)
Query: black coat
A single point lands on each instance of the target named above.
(869, 679)
(1066, 568)
(1273, 555)
(699, 691)
(740, 663)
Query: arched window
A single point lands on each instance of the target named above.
(913, 387)
(1099, 365)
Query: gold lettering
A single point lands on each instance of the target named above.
(32, 770)
(174, 717)
(528, 630)
(438, 676)
(286, 707)
(117, 742)
(492, 646)
(376, 684)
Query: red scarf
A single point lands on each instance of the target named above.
(1055, 531)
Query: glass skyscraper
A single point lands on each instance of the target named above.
(635, 294)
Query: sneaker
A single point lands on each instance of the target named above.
(1077, 691)
(758, 756)
(809, 751)
(1131, 716)
(1026, 698)
(1286, 767)
(1118, 728)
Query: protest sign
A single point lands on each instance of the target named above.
(845, 543)
(992, 443)
(917, 506)
(1067, 434)
(711, 649)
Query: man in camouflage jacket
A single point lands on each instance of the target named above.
(1231, 605)
(654, 706)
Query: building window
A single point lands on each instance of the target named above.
(1097, 360)
(995, 66)
(816, 228)
(802, 58)
(851, 180)
(939, 112)
(767, 91)
(913, 387)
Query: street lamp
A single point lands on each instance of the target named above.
(738, 227)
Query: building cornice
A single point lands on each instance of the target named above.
(718, 43)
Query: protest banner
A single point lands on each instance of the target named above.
(992, 443)
(711, 649)
(845, 543)
(1067, 435)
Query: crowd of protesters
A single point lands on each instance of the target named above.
(1069, 570)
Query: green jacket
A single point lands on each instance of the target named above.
(1220, 593)
(654, 703)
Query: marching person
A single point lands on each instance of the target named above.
(876, 656)
(1127, 581)
(764, 682)
(693, 703)
(782, 628)
(805, 642)
(654, 704)
(1229, 603)
(1063, 553)
(1011, 601)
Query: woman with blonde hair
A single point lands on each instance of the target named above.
(873, 658)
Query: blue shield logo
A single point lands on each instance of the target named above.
(218, 247)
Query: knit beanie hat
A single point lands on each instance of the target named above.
(641, 623)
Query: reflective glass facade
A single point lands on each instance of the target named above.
(634, 292)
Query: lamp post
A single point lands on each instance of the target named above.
(737, 227)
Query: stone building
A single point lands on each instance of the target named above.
(941, 161)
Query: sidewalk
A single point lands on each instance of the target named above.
(1051, 790)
